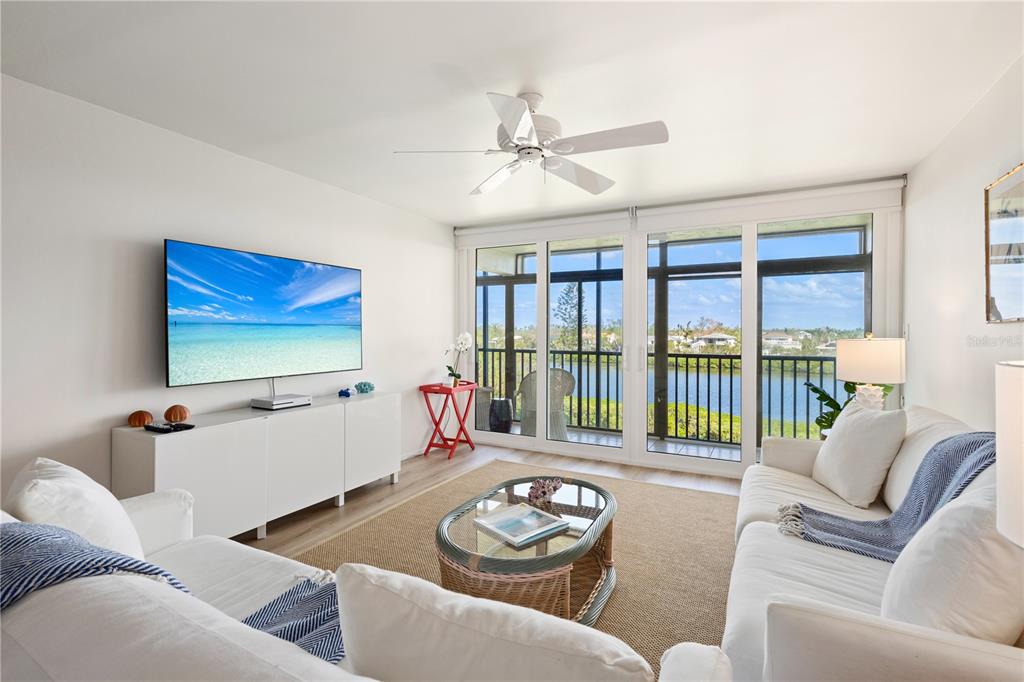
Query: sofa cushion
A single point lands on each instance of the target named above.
(45, 491)
(230, 576)
(925, 428)
(764, 488)
(133, 628)
(855, 458)
(770, 566)
(960, 574)
(449, 636)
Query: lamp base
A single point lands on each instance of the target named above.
(870, 396)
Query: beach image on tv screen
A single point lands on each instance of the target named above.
(236, 315)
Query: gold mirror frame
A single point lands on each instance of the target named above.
(990, 306)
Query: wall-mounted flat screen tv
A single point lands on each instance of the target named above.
(235, 315)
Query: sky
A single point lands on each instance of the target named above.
(798, 301)
(213, 285)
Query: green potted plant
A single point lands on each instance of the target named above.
(827, 418)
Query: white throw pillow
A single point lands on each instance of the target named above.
(960, 574)
(397, 627)
(46, 491)
(857, 454)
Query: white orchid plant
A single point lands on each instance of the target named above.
(462, 345)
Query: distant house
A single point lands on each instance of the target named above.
(803, 335)
(779, 341)
(716, 340)
(829, 348)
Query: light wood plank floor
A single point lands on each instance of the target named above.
(295, 533)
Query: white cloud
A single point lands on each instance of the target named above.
(192, 275)
(181, 311)
(195, 287)
(319, 284)
(254, 259)
(204, 311)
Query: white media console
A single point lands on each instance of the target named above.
(246, 467)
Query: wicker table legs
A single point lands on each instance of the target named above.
(552, 591)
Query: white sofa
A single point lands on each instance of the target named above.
(126, 627)
(802, 611)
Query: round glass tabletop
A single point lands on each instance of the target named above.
(585, 507)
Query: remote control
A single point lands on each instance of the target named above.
(159, 428)
(181, 426)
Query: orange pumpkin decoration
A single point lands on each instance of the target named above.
(140, 418)
(177, 413)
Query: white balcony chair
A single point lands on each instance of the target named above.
(560, 384)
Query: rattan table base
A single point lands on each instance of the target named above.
(576, 591)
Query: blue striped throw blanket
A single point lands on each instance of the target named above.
(948, 468)
(307, 615)
(36, 555)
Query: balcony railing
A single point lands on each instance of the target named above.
(697, 399)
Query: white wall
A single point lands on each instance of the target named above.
(951, 350)
(88, 197)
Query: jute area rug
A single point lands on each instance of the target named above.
(673, 552)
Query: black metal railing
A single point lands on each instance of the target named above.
(783, 391)
(697, 399)
(708, 409)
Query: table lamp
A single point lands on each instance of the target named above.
(1010, 450)
(869, 362)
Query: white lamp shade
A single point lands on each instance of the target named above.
(1010, 450)
(871, 361)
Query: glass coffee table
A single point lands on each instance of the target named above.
(570, 574)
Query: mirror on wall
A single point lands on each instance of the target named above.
(1004, 248)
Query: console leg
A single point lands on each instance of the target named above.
(339, 500)
(394, 478)
(261, 532)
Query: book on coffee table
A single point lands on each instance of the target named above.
(521, 524)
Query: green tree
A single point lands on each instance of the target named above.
(569, 315)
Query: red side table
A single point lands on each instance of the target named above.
(450, 396)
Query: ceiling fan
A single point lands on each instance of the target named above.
(535, 139)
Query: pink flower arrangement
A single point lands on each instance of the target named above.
(543, 489)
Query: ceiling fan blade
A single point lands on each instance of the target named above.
(497, 177)
(515, 117)
(450, 151)
(639, 135)
(581, 176)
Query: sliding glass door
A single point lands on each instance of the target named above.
(585, 373)
(694, 337)
(674, 338)
(814, 289)
(506, 339)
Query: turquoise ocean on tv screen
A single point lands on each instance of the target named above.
(203, 353)
(235, 315)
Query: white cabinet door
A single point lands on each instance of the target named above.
(307, 457)
(373, 438)
(225, 469)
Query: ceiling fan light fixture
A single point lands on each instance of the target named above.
(533, 137)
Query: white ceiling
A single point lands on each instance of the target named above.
(756, 96)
